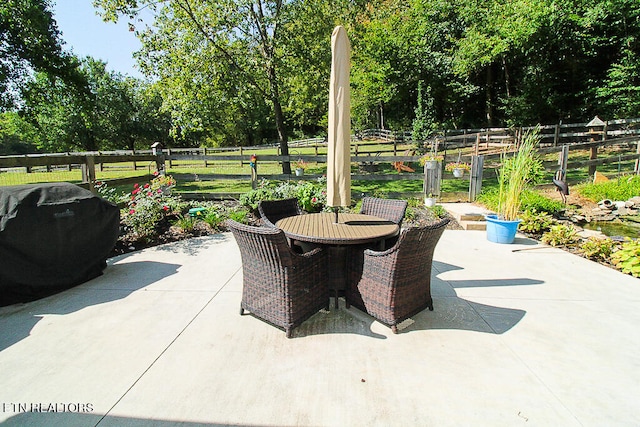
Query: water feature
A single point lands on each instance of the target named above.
(615, 228)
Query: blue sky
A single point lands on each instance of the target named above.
(87, 35)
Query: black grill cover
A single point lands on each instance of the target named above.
(52, 237)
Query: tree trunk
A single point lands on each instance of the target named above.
(279, 116)
(489, 96)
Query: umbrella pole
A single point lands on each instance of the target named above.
(335, 210)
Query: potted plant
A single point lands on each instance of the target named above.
(430, 161)
(301, 165)
(429, 200)
(457, 168)
(516, 174)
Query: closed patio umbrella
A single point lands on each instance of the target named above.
(339, 132)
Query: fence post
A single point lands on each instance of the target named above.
(563, 159)
(156, 149)
(254, 171)
(556, 135)
(135, 165)
(595, 126)
(432, 178)
(475, 184)
(89, 172)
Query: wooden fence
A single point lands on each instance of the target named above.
(482, 149)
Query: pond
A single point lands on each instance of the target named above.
(615, 228)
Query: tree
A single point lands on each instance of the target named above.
(17, 136)
(117, 113)
(209, 38)
(30, 40)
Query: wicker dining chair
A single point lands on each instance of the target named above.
(280, 286)
(272, 211)
(395, 284)
(390, 209)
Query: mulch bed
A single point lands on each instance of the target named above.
(165, 233)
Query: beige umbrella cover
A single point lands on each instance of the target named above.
(339, 133)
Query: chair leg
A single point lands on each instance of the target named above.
(430, 305)
(289, 333)
(336, 297)
(241, 311)
(394, 329)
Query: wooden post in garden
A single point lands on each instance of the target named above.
(156, 150)
(475, 184)
(595, 127)
(254, 171)
(556, 135)
(636, 168)
(135, 165)
(561, 174)
(169, 156)
(89, 172)
(432, 178)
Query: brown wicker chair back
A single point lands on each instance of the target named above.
(390, 209)
(272, 211)
(395, 284)
(279, 286)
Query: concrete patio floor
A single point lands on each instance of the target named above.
(538, 337)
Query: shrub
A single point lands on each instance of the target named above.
(311, 195)
(185, 222)
(438, 211)
(149, 204)
(627, 258)
(597, 248)
(241, 216)
(213, 218)
(530, 200)
(109, 193)
(561, 235)
(143, 217)
(620, 189)
(409, 214)
(414, 202)
(535, 222)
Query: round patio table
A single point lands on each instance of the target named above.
(351, 229)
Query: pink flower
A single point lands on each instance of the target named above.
(136, 185)
(150, 193)
(132, 211)
(136, 191)
(165, 208)
(159, 191)
(155, 173)
(146, 185)
(314, 200)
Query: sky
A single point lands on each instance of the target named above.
(87, 35)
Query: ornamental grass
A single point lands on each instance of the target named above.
(518, 173)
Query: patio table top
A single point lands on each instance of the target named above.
(351, 228)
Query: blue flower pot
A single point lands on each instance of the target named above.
(501, 231)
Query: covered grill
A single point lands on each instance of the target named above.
(52, 237)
